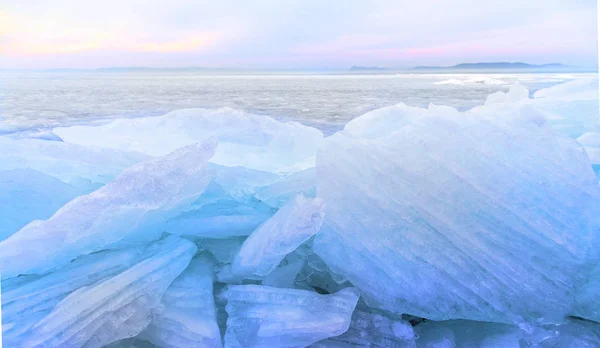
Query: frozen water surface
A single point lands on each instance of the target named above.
(39, 99)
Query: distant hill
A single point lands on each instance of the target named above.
(367, 68)
(495, 65)
(145, 69)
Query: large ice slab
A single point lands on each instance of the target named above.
(251, 141)
(188, 317)
(129, 210)
(64, 161)
(292, 225)
(372, 330)
(486, 215)
(113, 309)
(27, 195)
(263, 316)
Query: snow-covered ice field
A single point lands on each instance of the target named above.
(328, 102)
(415, 210)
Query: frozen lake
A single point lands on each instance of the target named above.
(48, 99)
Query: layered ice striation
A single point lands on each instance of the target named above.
(127, 211)
(485, 215)
(587, 297)
(110, 309)
(28, 299)
(263, 316)
(251, 141)
(188, 315)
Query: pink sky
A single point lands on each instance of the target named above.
(299, 34)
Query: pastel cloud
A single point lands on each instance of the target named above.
(295, 33)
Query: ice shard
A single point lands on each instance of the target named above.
(129, 210)
(469, 334)
(216, 214)
(292, 225)
(279, 192)
(188, 317)
(26, 300)
(372, 330)
(115, 308)
(263, 316)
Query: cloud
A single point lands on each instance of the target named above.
(294, 33)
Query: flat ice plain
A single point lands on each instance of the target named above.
(433, 220)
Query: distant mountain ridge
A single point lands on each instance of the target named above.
(369, 68)
(494, 65)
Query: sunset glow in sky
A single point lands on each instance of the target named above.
(294, 34)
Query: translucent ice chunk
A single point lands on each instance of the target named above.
(251, 141)
(113, 309)
(373, 330)
(468, 334)
(486, 215)
(131, 208)
(262, 316)
(188, 317)
(26, 300)
(292, 225)
(279, 192)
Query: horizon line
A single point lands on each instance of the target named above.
(352, 68)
